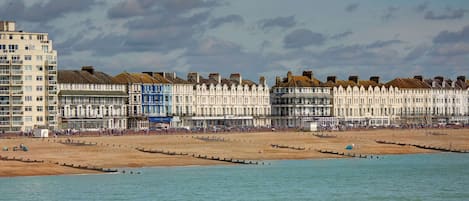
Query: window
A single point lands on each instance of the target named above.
(39, 67)
(39, 108)
(28, 119)
(28, 77)
(27, 57)
(28, 98)
(38, 88)
(28, 67)
(39, 98)
(28, 108)
(39, 78)
(28, 88)
(39, 118)
(39, 57)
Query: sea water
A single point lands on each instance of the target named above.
(394, 177)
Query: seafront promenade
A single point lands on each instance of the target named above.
(74, 154)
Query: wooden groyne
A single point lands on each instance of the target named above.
(322, 135)
(346, 154)
(210, 139)
(27, 160)
(84, 167)
(279, 146)
(165, 152)
(229, 160)
(429, 147)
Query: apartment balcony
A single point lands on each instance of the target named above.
(17, 82)
(17, 123)
(52, 92)
(52, 62)
(4, 82)
(4, 113)
(17, 61)
(52, 72)
(4, 72)
(4, 123)
(17, 112)
(4, 102)
(52, 82)
(17, 102)
(5, 92)
(4, 61)
(17, 92)
(16, 72)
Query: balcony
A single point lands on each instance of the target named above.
(17, 123)
(4, 102)
(17, 102)
(6, 92)
(4, 61)
(17, 92)
(4, 82)
(52, 92)
(16, 61)
(52, 72)
(17, 82)
(16, 72)
(4, 113)
(52, 82)
(52, 62)
(4, 123)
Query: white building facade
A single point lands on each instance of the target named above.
(28, 80)
(299, 100)
(232, 102)
(91, 101)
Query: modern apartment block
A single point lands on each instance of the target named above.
(230, 102)
(90, 100)
(28, 80)
(297, 100)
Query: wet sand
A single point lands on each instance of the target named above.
(121, 152)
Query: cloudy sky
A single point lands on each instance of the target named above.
(399, 38)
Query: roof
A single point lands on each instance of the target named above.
(92, 93)
(408, 83)
(126, 78)
(299, 81)
(83, 77)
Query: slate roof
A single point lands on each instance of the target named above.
(126, 78)
(408, 83)
(83, 77)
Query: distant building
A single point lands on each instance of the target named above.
(360, 103)
(182, 99)
(228, 102)
(150, 100)
(297, 100)
(28, 80)
(449, 100)
(415, 100)
(91, 100)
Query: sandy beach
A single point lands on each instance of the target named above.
(121, 151)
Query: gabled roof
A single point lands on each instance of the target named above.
(408, 83)
(126, 78)
(83, 77)
(299, 81)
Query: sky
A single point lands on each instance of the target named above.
(399, 38)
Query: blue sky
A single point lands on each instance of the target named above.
(263, 37)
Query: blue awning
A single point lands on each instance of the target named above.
(160, 119)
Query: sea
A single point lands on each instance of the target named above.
(442, 176)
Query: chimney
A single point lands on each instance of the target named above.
(215, 76)
(462, 78)
(236, 77)
(418, 77)
(193, 77)
(375, 79)
(149, 73)
(289, 76)
(7, 26)
(170, 75)
(353, 78)
(439, 79)
(88, 69)
(308, 74)
(331, 78)
(262, 81)
(277, 80)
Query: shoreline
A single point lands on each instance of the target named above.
(207, 149)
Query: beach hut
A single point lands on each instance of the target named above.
(41, 133)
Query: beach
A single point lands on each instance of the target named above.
(47, 156)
